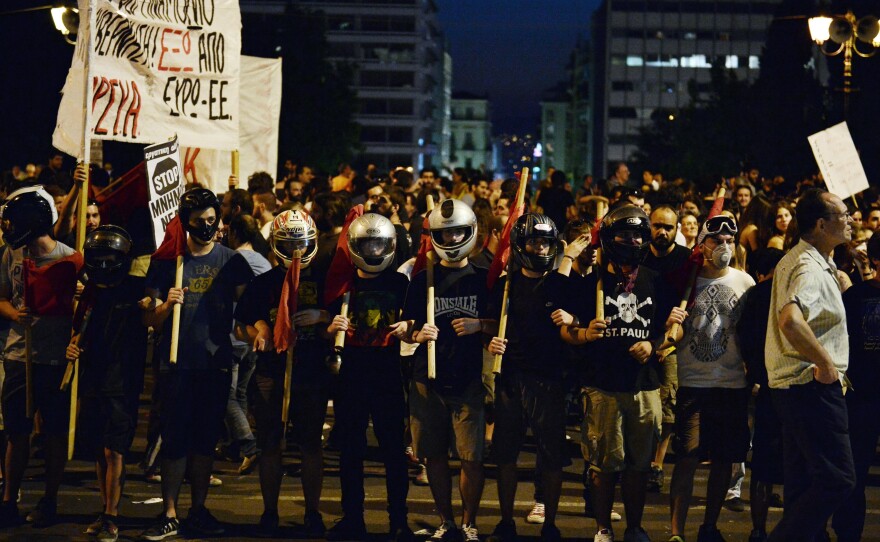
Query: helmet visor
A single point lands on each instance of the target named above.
(293, 248)
(451, 238)
(373, 249)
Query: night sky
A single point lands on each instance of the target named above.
(512, 50)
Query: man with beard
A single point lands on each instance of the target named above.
(380, 202)
(666, 257)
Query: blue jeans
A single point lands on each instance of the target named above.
(819, 471)
(237, 426)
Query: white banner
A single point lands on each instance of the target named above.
(155, 67)
(839, 161)
(260, 113)
(165, 178)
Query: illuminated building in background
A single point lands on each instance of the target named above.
(471, 142)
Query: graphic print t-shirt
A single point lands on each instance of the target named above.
(708, 355)
(458, 293)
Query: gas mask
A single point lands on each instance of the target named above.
(722, 255)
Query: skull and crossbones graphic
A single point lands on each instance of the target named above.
(628, 307)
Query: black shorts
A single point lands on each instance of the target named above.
(767, 464)
(526, 401)
(108, 422)
(193, 409)
(712, 424)
(308, 408)
(52, 403)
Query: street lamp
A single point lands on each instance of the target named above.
(846, 31)
(65, 15)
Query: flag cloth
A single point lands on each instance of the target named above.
(502, 255)
(123, 196)
(684, 277)
(49, 290)
(340, 275)
(285, 334)
(174, 243)
(425, 247)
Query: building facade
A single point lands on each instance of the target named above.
(471, 126)
(645, 52)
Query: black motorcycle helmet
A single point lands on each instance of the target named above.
(28, 214)
(106, 253)
(531, 226)
(627, 218)
(197, 199)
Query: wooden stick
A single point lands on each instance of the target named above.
(288, 377)
(600, 289)
(339, 341)
(431, 345)
(673, 331)
(175, 315)
(505, 299)
(235, 165)
(69, 371)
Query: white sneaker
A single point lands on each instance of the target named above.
(536, 515)
(605, 535)
(469, 533)
(615, 516)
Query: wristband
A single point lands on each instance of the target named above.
(569, 257)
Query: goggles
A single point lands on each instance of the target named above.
(717, 225)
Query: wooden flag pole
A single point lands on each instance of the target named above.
(431, 345)
(285, 400)
(175, 314)
(235, 169)
(601, 210)
(71, 366)
(505, 299)
(339, 341)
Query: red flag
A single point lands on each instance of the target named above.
(285, 334)
(49, 290)
(425, 247)
(684, 278)
(174, 243)
(340, 275)
(502, 255)
(123, 196)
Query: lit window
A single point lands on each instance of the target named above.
(731, 62)
(635, 61)
(754, 62)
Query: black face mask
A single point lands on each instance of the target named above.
(204, 233)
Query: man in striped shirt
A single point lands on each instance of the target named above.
(807, 354)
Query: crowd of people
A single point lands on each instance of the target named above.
(739, 323)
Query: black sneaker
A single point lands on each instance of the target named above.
(655, 480)
(9, 516)
(164, 528)
(200, 522)
(550, 533)
(402, 533)
(108, 532)
(505, 531)
(348, 528)
(313, 524)
(709, 534)
(776, 501)
(446, 532)
(44, 514)
(95, 526)
(268, 526)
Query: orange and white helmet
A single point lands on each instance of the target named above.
(294, 235)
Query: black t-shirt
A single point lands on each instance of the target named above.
(751, 330)
(375, 304)
(533, 341)
(670, 263)
(458, 293)
(326, 251)
(402, 249)
(260, 302)
(206, 315)
(862, 302)
(115, 341)
(638, 315)
(555, 202)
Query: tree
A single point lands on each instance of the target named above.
(318, 103)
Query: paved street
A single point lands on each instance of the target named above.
(237, 502)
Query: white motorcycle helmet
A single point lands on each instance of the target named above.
(372, 240)
(459, 223)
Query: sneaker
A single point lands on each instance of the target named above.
(95, 526)
(422, 476)
(734, 504)
(655, 480)
(44, 514)
(268, 526)
(604, 535)
(709, 534)
(402, 533)
(109, 532)
(776, 501)
(200, 522)
(757, 536)
(247, 464)
(164, 528)
(676, 538)
(550, 533)
(9, 516)
(348, 529)
(635, 534)
(446, 532)
(469, 533)
(153, 478)
(213, 481)
(536, 515)
(615, 516)
(505, 531)
(313, 524)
